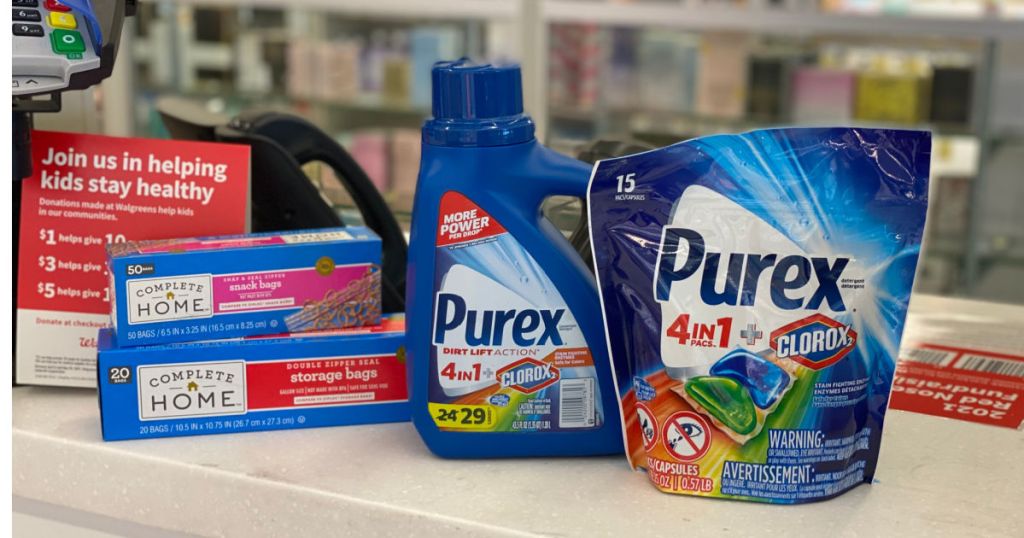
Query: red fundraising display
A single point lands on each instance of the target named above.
(87, 191)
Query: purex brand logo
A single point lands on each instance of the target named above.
(527, 327)
(191, 390)
(789, 274)
(816, 342)
(527, 375)
(169, 298)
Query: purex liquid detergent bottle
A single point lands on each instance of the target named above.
(506, 348)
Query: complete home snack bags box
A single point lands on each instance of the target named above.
(186, 290)
(322, 378)
(754, 290)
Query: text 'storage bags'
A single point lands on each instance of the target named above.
(321, 378)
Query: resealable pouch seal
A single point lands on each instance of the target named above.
(754, 291)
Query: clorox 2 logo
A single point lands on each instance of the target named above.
(816, 342)
(527, 375)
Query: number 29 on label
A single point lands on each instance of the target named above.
(462, 417)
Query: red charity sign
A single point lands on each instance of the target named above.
(89, 198)
(970, 395)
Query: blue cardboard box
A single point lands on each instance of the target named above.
(184, 290)
(323, 378)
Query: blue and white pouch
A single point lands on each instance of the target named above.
(754, 290)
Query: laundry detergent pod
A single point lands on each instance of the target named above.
(724, 399)
(765, 380)
(754, 289)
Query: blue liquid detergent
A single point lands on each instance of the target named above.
(506, 350)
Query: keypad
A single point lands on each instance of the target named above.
(28, 30)
(53, 5)
(26, 15)
(67, 42)
(50, 45)
(62, 20)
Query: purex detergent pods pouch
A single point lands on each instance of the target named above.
(754, 290)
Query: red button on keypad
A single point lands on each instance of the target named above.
(53, 5)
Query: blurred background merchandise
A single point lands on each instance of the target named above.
(652, 71)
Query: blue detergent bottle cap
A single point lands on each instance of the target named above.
(477, 105)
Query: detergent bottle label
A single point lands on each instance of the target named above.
(507, 355)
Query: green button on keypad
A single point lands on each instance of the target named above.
(67, 41)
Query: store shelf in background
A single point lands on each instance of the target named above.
(664, 121)
(778, 21)
(956, 147)
(203, 55)
(325, 64)
(666, 85)
(382, 9)
(370, 104)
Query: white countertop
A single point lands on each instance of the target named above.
(935, 476)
